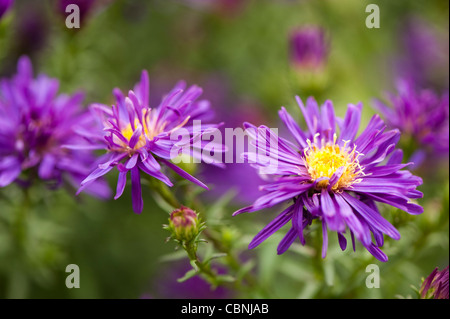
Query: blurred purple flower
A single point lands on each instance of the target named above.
(435, 286)
(34, 123)
(237, 176)
(32, 30)
(423, 118)
(334, 178)
(5, 5)
(139, 138)
(424, 58)
(308, 48)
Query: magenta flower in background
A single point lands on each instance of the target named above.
(139, 138)
(424, 56)
(236, 176)
(435, 286)
(308, 48)
(5, 5)
(34, 123)
(423, 118)
(334, 177)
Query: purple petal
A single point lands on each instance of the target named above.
(136, 191)
(297, 220)
(184, 174)
(9, 175)
(112, 160)
(342, 241)
(287, 241)
(372, 217)
(351, 123)
(330, 213)
(247, 209)
(96, 174)
(395, 158)
(47, 166)
(293, 127)
(131, 163)
(328, 124)
(121, 182)
(147, 167)
(135, 136)
(377, 253)
(311, 113)
(272, 227)
(362, 233)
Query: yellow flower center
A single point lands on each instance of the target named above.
(324, 161)
(127, 132)
(151, 128)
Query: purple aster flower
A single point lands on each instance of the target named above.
(139, 138)
(423, 118)
(436, 285)
(308, 47)
(34, 123)
(334, 177)
(5, 5)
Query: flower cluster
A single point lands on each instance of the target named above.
(329, 174)
(35, 123)
(335, 177)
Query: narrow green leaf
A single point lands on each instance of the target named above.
(191, 273)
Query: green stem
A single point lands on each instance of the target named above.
(164, 192)
(18, 283)
(19, 224)
(235, 265)
(191, 249)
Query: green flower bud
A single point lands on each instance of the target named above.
(184, 224)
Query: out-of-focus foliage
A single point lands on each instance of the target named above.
(239, 55)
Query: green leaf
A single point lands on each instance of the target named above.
(226, 278)
(217, 209)
(189, 274)
(215, 256)
(245, 268)
(194, 265)
(180, 254)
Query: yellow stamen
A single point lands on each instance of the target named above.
(324, 161)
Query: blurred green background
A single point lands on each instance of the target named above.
(239, 55)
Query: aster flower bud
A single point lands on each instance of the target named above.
(184, 224)
(435, 286)
(308, 48)
(308, 53)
